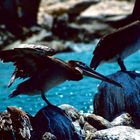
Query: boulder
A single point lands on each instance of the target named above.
(123, 119)
(89, 131)
(111, 101)
(48, 136)
(6, 128)
(15, 125)
(117, 133)
(20, 122)
(70, 111)
(129, 19)
(72, 7)
(98, 122)
(55, 121)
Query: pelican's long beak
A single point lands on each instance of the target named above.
(87, 71)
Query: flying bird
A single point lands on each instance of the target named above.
(44, 71)
(117, 46)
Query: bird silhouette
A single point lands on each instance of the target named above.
(117, 46)
(44, 71)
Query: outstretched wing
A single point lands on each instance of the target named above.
(28, 59)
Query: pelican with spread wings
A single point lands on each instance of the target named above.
(36, 62)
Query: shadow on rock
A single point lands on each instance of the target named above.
(52, 122)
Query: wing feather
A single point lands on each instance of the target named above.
(28, 59)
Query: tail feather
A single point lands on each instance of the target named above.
(12, 80)
(14, 93)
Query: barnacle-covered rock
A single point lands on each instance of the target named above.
(117, 133)
(20, 122)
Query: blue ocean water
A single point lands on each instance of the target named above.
(79, 94)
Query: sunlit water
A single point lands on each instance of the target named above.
(79, 94)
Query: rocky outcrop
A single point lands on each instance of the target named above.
(124, 119)
(67, 123)
(85, 25)
(53, 120)
(15, 125)
(98, 122)
(117, 133)
(70, 111)
(110, 101)
(73, 20)
(71, 7)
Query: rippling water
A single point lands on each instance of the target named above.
(79, 94)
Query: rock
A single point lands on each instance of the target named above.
(123, 119)
(15, 125)
(111, 101)
(53, 120)
(79, 7)
(70, 111)
(48, 136)
(58, 45)
(72, 31)
(107, 8)
(117, 133)
(129, 19)
(91, 23)
(45, 20)
(95, 20)
(20, 14)
(5, 37)
(89, 128)
(98, 122)
(78, 128)
(20, 123)
(43, 38)
(78, 32)
(73, 7)
(89, 131)
(6, 128)
(82, 121)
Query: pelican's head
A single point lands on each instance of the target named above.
(78, 65)
(87, 71)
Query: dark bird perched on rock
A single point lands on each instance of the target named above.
(43, 70)
(117, 46)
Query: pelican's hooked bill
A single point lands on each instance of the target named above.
(87, 71)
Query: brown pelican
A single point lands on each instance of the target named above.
(117, 46)
(44, 71)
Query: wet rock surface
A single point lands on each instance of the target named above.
(15, 125)
(118, 133)
(123, 119)
(70, 111)
(80, 21)
(53, 120)
(98, 122)
(114, 101)
(52, 123)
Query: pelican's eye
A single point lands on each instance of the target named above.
(83, 65)
(80, 70)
